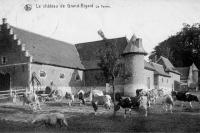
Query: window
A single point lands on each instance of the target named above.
(162, 79)
(3, 60)
(77, 77)
(23, 68)
(62, 76)
(42, 74)
(167, 80)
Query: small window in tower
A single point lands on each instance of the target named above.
(3, 60)
(42, 74)
(62, 76)
(162, 79)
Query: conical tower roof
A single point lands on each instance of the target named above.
(134, 46)
(194, 68)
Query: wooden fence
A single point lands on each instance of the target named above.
(8, 93)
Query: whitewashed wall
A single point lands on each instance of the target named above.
(150, 74)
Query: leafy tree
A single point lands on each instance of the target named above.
(110, 62)
(182, 49)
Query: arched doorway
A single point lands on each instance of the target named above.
(4, 81)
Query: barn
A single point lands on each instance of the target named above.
(25, 55)
(30, 60)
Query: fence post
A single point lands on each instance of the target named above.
(11, 92)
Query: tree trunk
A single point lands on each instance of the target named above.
(114, 112)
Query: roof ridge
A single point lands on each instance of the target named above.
(37, 34)
(181, 67)
(99, 40)
(156, 63)
(53, 51)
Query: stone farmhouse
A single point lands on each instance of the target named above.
(189, 77)
(26, 56)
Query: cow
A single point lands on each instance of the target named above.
(59, 93)
(185, 97)
(152, 95)
(87, 96)
(166, 101)
(50, 120)
(81, 96)
(137, 103)
(32, 100)
(104, 100)
(70, 97)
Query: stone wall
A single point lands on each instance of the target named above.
(61, 77)
(16, 58)
(94, 78)
(19, 75)
(149, 75)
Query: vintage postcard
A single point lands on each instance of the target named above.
(99, 66)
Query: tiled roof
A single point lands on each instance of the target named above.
(148, 66)
(159, 70)
(167, 65)
(49, 51)
(89, 51)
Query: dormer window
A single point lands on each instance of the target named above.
(77, 77)
(3, 60)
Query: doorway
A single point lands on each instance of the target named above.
(4, 81)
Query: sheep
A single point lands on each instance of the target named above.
(51, 120)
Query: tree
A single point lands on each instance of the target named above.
(182, 49)
(110, 62)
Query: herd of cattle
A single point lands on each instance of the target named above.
(141, 102)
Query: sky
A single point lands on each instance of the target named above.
(151, 20)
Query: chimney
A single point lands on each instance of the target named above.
(4, 20)
(100, 32)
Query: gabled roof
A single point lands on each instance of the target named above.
(167, 65)
(159, 70)
(148, 66)
(89, 51)
(46, 50)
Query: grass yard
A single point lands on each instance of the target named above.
(15, 118)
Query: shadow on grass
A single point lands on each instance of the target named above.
(14, 109)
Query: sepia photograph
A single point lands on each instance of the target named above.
(99, 66)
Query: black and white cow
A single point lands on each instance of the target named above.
(185, 97)
(81, 96)
(88, 96)
(166, 101)
(138, 103)
(104, 100)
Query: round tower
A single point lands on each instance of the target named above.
(134, 66)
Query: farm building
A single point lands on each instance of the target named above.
(26, 56)
(189, 77)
